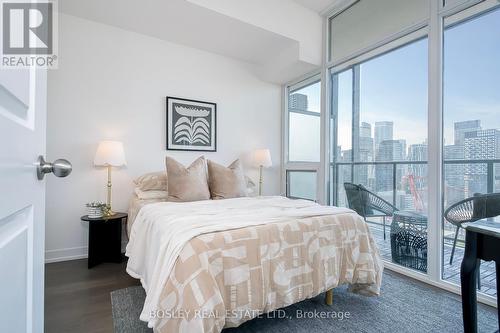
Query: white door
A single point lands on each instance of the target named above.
(22, 206)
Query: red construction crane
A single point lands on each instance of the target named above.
(417, 199)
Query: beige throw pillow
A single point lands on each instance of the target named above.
(153, 181)
(225, 183)
(187, 184)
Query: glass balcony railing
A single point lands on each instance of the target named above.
(404, 184)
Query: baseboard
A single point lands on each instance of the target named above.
(67, 254)
(71, 253)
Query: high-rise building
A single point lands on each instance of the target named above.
(471, 143)
(344, 174)
(365, 130)
(391, 150)
(480, 145)
(365, 172)
(298, 102)
(454, 180)
(418, 152)
(383, 132)
(454, 174)
(463, 127)
(388, 151)
(338, 154)
(454, 152)
(346, 155)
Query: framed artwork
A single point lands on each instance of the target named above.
(191, 125)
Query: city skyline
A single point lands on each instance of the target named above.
(377, 143)
(394, 86)
(383, 131)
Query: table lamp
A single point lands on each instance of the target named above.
(262, 159)
(110, 154)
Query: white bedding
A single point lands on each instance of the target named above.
(161, 230)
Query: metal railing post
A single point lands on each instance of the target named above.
(490, 176)
(394, 170)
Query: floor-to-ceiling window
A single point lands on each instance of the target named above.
(411, 117)
(471, 135)
(379, 138)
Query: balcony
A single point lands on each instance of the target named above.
(451, 273)
(406, 187)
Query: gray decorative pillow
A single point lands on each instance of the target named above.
(225, 183)
(153, 181)
(187, 184)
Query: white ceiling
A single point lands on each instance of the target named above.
(183, 23)
(186, 23)
(317, 5)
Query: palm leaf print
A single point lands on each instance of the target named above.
(192, 127)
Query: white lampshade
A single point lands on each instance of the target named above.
(110, 153)
(262, 157)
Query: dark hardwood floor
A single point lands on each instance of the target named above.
(78, 299)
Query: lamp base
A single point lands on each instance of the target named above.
(109, 213)
(260, 180)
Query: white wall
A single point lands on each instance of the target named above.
(111, 84)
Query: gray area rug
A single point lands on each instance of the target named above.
(405, 305)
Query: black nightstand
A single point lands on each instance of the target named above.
(105, 238)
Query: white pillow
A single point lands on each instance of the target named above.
(151, 195)
(152, 181)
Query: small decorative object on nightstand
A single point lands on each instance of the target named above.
(95, 209)
(105, 238)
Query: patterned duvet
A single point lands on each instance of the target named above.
(210, 265)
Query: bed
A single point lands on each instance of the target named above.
(212, 264)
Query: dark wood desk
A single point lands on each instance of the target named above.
(105, 239)
(482, 241)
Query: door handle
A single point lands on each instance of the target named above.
(60, 168)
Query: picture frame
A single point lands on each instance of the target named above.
(191, 125)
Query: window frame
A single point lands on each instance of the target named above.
(433, 27)
(288, 165)
(355, 66)
(288, 184)
(458, 15)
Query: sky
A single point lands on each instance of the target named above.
(305, 137)
(313, 96)
(472, 73)
(394, 85)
